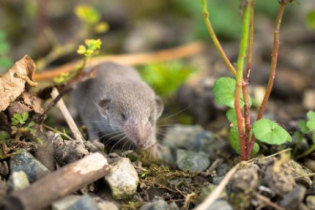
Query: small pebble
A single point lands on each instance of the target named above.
(85, 202)
(155, 205)
(123, 179)
(65, 202)
(192, 161)
(18, 180)
(24, 161)
(292, 199)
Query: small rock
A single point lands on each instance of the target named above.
(310, 201)
(65, 202)
(222, 169)
(105, 205)
(18, 181)
(292, 200)
(24, 161)
(155, 205)
(301, 174)
(310, 164)
(281, 182)
(216, 180)
(309, 99)
(220, 204)
(85, 202)
(173, 206)
(123, 179)
(246, 179)
(192, 161)
(194, 138)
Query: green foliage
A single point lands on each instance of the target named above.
(224, 92)
(231, 116)
(165, 78)
(235, 141)
(226, 21)
(4, 135)
(87, 14)
(92, 47)
(306, 127)
(18, 121)
(4, 49)
(310, 20)
(91, 17)
(270, 132)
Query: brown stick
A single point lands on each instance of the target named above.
(57, 184)
(132, 59)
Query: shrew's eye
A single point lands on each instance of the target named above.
(123, 116)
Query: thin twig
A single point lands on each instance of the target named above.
(217, 191)
(268, 202)
(128, 59)
(73, 127)
(214, 38)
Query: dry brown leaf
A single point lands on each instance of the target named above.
(16, 80)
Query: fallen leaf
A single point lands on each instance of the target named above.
(11, 83)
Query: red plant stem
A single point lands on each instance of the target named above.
(246, 80)
(273, 67)
(239, 80)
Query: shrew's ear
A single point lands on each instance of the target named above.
(159, 106)
(104, 106)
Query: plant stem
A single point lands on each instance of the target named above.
(246, 79)
(307, 152)
(239, 80)
(273, 66)
(214, 38)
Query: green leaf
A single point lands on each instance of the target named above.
(87, 14)
(235, 141)
(25, 116)
(311, 115)
(310, 20)
(270, 132)
(224, 92)
(311, 124)
(231, 115)
(4, 135)
(31, 124)
(303, 126)
(5, 62)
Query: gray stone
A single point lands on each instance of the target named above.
(85, 202)
(173, 206)
(217, 179)
(222, 169)
(24, 161)
(65, 202)
(105, 205)
(123, 179)
(155, 205)
(18, 180)
(192, 161)
(310, 201)
(220, 204)
(292, 199)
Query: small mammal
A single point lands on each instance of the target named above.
(116, 103)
